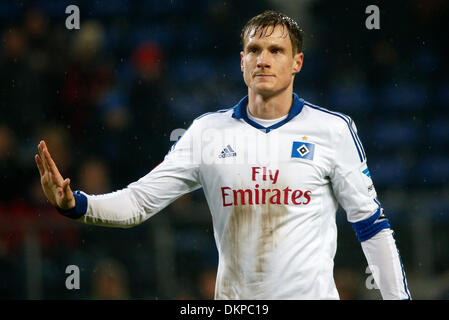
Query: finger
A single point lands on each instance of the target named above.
(41, 153)
(56, 179)
(60, 191)
(66, 187)
(64, 190)
(39, 164)
(48, 158)
(50, 162)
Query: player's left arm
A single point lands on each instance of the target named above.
(354, 189)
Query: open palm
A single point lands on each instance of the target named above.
(56, 189)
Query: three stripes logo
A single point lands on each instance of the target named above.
(366, 177)
(367, 173)
(227, 152)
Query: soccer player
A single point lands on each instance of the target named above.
(273, 169)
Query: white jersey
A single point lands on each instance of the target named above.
(273, 194)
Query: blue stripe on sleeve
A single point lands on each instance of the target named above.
(368, 228)
(403, 278)
(358, 139)
(80, 208)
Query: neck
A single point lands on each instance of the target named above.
(272, 107)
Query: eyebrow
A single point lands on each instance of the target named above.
(271, 46)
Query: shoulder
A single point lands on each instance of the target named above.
(214, 119)
(339, 126)
(330, 118)
(215, 114)
(211, 118)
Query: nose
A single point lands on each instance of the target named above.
(263, 60)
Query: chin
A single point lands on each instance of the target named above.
(265, 90)
(262, 87)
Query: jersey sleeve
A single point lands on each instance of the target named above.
(175, 176)
(353, 186)
(350, 176)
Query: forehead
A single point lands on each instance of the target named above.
(268, 34)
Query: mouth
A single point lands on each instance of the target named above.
(263, 75)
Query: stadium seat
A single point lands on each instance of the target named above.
(156, 7)
(9, 10)
(442, 95)
(403, 96)
(161, 34)
(427, 60)
(394, 135)
(434, 169)
(55, 9)
(389, 171)
(438, 131)
(351, 97)
(110, 8)
(195, 69)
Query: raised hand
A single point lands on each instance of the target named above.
(56, 189)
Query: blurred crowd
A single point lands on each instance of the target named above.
(106, 97)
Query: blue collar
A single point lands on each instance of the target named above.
(240, 113)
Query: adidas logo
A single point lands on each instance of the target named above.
(227, 152)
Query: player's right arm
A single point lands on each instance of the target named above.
(174, 177)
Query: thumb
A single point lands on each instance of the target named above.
(66, 188)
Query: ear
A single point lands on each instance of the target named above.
(297, 62)
(241, 61)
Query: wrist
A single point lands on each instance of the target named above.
(78, 206)
(66, 205)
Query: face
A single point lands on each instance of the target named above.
(268, 63)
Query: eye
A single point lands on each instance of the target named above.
(253, 50)
(276, 51)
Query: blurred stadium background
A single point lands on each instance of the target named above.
(106, 98)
